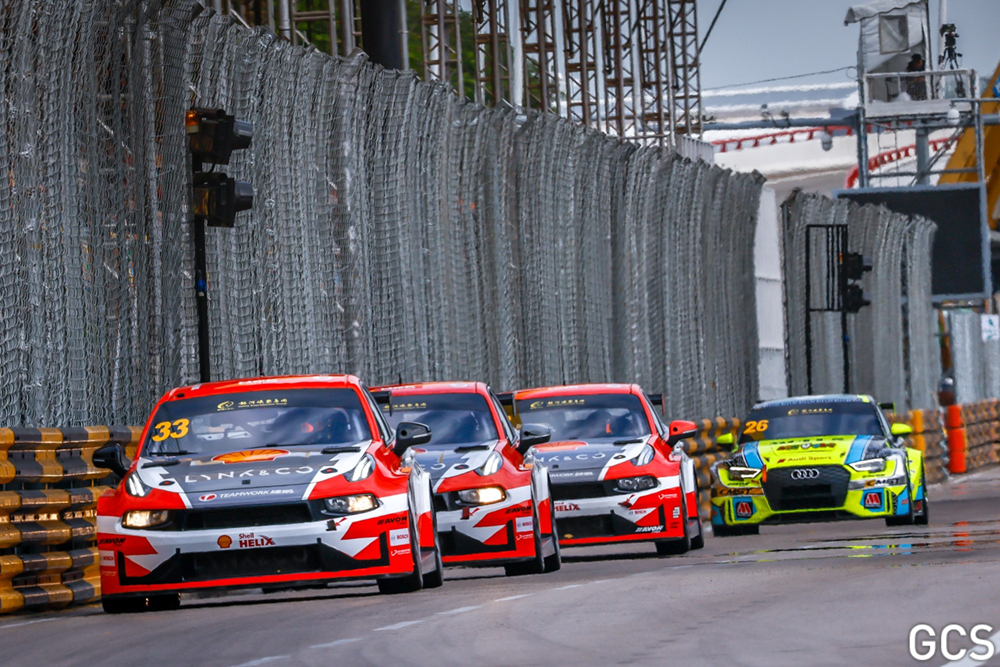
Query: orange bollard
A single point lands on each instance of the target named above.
(957, 441)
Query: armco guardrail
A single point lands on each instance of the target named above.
(48, 514)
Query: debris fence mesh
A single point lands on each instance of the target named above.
(398, 232)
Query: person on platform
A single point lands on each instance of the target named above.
(916, 86)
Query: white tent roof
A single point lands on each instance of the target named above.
(871, 9)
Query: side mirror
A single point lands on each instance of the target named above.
(899, 430)
(533, 434)
(726, 441)
(112, 457)
(411, 434)
(681, 430)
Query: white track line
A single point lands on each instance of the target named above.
(401, 624)
(338, 642)
(514, 597)
(17, 625)
(460, 610)
(261, 661)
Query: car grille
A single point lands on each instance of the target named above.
(579, 491)
(250, 516)
(825, 491)
(250, 562)
(586, 526)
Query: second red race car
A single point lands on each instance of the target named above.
(491, 509)
(616, 472)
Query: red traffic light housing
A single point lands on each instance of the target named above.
(213, 135)
(217, 198)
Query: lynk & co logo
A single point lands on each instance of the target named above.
(924, 642)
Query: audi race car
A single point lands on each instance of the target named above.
(818, 458)
(491, 509)
(615, 471)
(271, 482)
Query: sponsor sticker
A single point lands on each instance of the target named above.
(207, 497)
(524, 524)
(251, 456)
(225, 406)
(224, 541)
(873, 500)
(252, 540)
(567, 507)
(649, 529)
(398, 538)
(677, 512)
(744, 509)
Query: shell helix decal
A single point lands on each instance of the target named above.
(250, 456)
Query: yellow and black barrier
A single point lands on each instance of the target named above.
(48, 508)
(929, 437)
(704, 450)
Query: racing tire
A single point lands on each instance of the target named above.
(537, 564)
(114, 605)
(698, 541)
(682, 545)
(923, 518)
(553, 563)
(907, 519)
(165, 602)
(734, 531)
(435, 579)
(409, 583)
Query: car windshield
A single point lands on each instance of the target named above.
(454, 419)
(587, 416)
(806, 420)
(257, 419)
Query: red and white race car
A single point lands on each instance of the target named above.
(270, 482)
(491, 509)
(616, 473)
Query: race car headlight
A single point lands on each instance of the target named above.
(362, 502)
(869, 465)
(645, 456)
(632, 484)
(364, 469)
(135, 487)
(491, 465)
(145, 518)
(486, 495)
(742, 472)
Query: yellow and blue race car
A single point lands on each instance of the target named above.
(817, 458)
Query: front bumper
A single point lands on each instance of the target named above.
(487, 534)
(369, 545)
(584, 518)
(834, 492)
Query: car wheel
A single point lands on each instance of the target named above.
(165, 602)
(681, 546)
(409, 583)
(553, 563)
(537, 564)
(907, 519)
(115, 605)
(436, 578)
(698, 541)
(923, 518)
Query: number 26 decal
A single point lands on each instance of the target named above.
(755, 426)
(176, 429)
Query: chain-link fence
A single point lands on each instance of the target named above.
(892, 345)
(975, 361)
(398, 232)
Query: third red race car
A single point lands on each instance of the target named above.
(491, 509)
(616, 473)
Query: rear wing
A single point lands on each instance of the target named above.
(656, 399)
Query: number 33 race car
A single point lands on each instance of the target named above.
(269, 482)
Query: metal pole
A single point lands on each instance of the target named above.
(404, 37)
(842, 283)
(923, 156)
(284, 20)
(201, 289)
(809, 375)
(347, 26)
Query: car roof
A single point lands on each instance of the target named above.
(434, 388)
(589, 388)
(262, 383)
(819, 398)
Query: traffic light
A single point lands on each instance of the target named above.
(213, 135)
(853, 266)
(217, 198)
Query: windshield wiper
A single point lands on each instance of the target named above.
(340, 449)
(161, 464)
(469, 448)
(630, 441)
(179, 452)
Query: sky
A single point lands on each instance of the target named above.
(763, 39)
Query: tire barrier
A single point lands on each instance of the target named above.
(704, 450)
(929, 437)
(48, 526)
(973, 434)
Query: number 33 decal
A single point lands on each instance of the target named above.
(177, 429)
(756, 427)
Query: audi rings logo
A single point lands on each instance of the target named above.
(805, 473)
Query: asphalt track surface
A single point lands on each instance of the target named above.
(809, 594)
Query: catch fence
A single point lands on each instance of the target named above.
(398, 232)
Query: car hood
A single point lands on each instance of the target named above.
(581, 461)
(443, 462)
(246, 475)
(823, 450)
